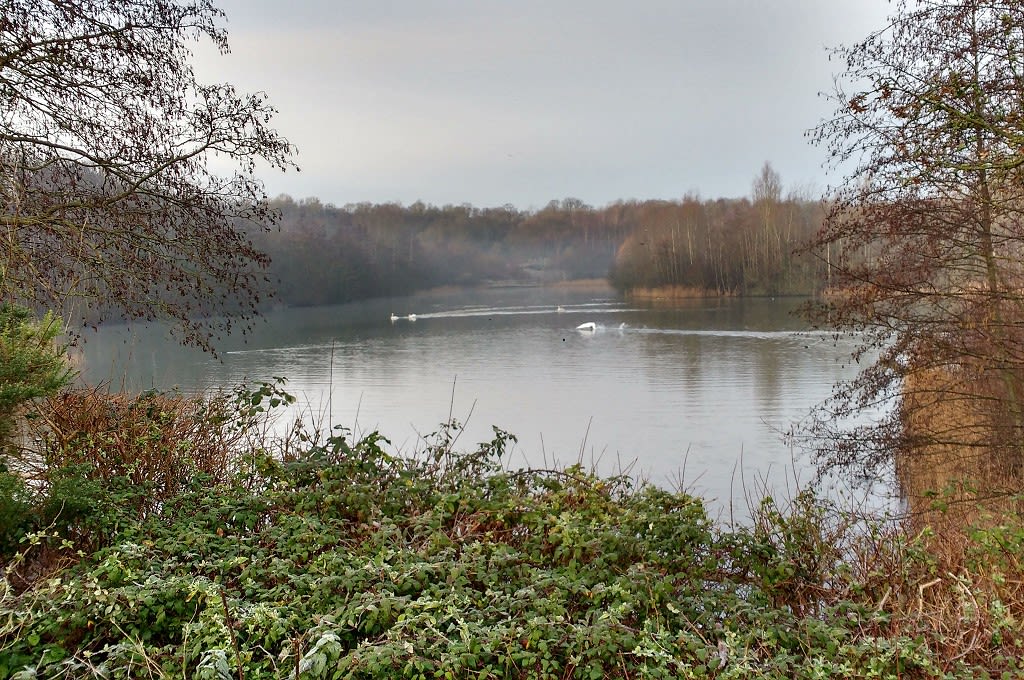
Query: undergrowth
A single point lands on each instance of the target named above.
(328, 557)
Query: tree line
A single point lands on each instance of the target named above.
(746, 246)
(324, 254)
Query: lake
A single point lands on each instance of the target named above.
(697, 393)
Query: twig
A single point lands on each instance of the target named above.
(330, 388)
(231, 630)
(451, 402)
(920, 593)
(583, 444)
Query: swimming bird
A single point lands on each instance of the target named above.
(623, 326)
(394, 317)
(588, 326)
(411, 317)
(560, 308)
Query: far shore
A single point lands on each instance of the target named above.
(693, 292)
(596, 285)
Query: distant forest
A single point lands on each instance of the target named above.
(323, 254)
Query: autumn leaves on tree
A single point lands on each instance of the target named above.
(925, 239)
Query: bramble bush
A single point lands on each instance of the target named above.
(343, 560)
(97, 461)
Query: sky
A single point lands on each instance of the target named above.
(495, 102)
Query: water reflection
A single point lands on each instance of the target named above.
(707, 385)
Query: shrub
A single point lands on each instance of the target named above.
(346, 561)
(31, 365)
(15, 510)
(101, 462)
(338, 559)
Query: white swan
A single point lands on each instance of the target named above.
(560, 308)
(623, 326)
(411, 317)
(588, 326)
(394, 317)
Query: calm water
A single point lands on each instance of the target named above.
(699, 392)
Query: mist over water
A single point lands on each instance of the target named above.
(698, 393)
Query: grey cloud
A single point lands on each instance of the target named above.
(492, 102)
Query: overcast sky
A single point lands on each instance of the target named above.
(524, 101)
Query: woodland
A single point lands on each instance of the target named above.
(323, 254)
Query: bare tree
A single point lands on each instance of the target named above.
(766, 190)
(926, 235)
(767, 186)
(108, 203)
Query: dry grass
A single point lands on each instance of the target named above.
(960, 473)
(674, 293)
(162, 440)
(954, 472)
(598, 285)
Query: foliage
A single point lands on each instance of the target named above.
(925, 234)
(344, 561)
(108, 199)
(32, 365)
(99, 460)
(15, 510)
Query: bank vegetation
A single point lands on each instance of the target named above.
(166, 537)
